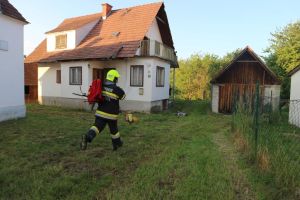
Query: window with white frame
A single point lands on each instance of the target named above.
(137, 75)
(160, 76)
(61, 41)
(75, 75)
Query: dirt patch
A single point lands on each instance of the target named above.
(51, 158)
(241, 186)
(263, 159)
(76, 167)
(240, 142)
(168, 183)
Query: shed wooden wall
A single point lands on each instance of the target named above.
(31, 82)
(243, 72)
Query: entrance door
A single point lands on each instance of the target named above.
(225, 98)
(97, 74)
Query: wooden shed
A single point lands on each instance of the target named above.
(238, 80)
(31, 82)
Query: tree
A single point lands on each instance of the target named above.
(195, 73)
(285, 46)
(284, 54)
(271, 61)
(191, 78)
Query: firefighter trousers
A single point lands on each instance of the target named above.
(98, 127)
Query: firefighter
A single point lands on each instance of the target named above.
(107, 112)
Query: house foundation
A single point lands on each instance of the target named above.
(12, 112)
(126, 105)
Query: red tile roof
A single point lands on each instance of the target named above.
(9, 10)
(132, 24)
(76, 22)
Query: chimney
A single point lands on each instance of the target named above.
(106, 9)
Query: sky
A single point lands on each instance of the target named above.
(197, 26)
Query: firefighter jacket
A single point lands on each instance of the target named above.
(110, 108)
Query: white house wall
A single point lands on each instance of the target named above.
(215, 98)
(295, 83)
(47, 85)
(294, 115)
(68, 89)
(154, 33)
(51, 40)
(12, 103)
(160, 93)
(50, 91)
(272, 95)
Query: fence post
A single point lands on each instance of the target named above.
(234, 109)
(271, 108)
(256, 117)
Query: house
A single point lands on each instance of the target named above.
(31, 82)
(11, 62)
(136, 41)
(294, 113)
(238, 81)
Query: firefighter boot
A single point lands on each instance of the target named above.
(88, 138)
(116, 143)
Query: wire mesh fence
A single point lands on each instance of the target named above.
(294, 112)
(265, 131)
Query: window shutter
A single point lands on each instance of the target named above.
(61, 41)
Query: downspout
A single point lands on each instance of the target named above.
(174, 84)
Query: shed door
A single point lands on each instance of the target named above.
(225, 98)
(237, 93)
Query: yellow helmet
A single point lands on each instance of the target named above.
(112, 74)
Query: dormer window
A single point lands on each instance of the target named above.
(61, 41)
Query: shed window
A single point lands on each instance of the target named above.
(137, 75)
(27, 89)
(75, 75)
(61, 41)
(58, 76)
(160, 76)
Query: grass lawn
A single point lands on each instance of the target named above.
(163, 157)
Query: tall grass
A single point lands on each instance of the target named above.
(277, 155)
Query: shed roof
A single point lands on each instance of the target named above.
(6, 8)
(241, 56)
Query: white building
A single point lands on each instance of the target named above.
(136, 41)
(294, 115)
(12, 23)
